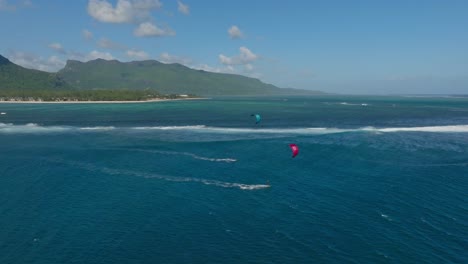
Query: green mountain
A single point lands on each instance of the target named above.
(165, 78)
(127, 76)
(14, 77)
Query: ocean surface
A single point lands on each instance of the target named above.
(377, 180)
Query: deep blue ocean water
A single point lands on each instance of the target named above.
(377, 180)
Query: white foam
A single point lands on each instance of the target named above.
(228, 160)
(346, 103)
(2, 113)
(35, 128)
(170, 127)
(195, 156)
(92, 167)
(386, 217)
(233, 185)
(241, 186)
(98, 128)
(230, 130)
(31, 128)
(435, 129)
(199, 180)
(315, 130)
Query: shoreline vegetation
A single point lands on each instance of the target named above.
(89, 96)
(99, 102)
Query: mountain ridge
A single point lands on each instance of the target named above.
(166, 78)
(174, 78)
(15, 77)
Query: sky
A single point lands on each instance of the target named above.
(350, 47)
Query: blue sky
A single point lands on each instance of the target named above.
(364, 47)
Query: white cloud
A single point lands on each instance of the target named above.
(246, 70)
(226, 60)
(235, 32)
(184, 9)
(33, 61)
(54, 63)
(57, 47)
(74, 55)
(95, 54)
(87, 34)
(206, 67)
(98, 55)
(104, 11)
(109, 44)
(230, 69)
(148, 29)
(167, 58)
(245, 57)
(125, 11)
(137, 54)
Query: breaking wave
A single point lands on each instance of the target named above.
(31, 128)
(311, 130)
(170, 127)
(98, 128)
(346, 103)
(35, 128)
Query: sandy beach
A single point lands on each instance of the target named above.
(98, 102)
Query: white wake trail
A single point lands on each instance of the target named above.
(91, 167)
(192, 155)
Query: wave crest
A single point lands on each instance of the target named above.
(35, 128)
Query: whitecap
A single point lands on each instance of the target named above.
(386, 217)
(346, 103)
(98, 128)
(169, 127)
(32, 127)
(434, 129)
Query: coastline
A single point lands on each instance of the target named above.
(99, 102)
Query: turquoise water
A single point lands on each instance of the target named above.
(377, 180)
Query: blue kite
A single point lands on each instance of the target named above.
(257, 118)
